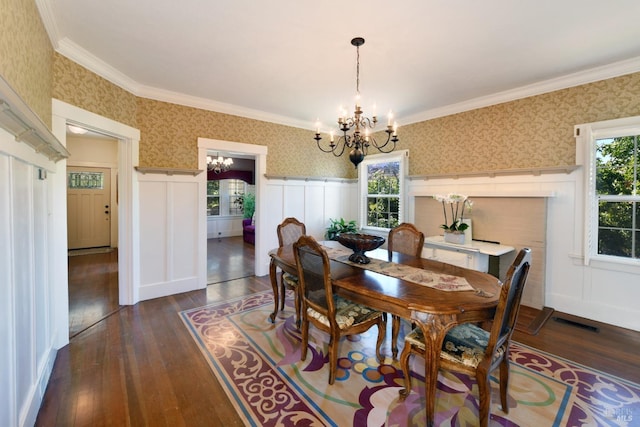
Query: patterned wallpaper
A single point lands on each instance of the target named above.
(25, 55)
(169, 135)
(78, 86)
(531, 132)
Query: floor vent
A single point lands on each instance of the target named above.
(576, 324)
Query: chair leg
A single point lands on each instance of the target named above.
(296, 301)
(484, 392)
(504, 383)
(404, 364)
(305, 339)
(395, 331)
(283, 289)
(333, 357)
(382, 332)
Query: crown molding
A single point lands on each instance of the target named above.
(220, 107)
(79, 55)
(48, 20)
(604, 72)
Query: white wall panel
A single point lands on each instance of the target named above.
(315, 220)
(275, 215)
(153, 237)
(184, 236)
(169, 235)
(23, 277)
(28, 352)
(7, 326)
(294, 201)
(40, 267)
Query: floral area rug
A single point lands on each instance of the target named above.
(258, 364)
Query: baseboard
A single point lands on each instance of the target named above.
(163, 289)
(34, 401)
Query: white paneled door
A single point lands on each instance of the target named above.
(88, 207)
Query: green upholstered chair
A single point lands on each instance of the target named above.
(471, 350)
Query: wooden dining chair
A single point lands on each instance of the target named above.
(289, 231)
(406, 239)
(330, 313)
(471, 350)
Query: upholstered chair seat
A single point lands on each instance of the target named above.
(465, 344)
(348, 313)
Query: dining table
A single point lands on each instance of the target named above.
(434, 309)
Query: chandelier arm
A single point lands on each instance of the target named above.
(390, 138)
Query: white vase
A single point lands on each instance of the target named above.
(468, 235)
(456, 237)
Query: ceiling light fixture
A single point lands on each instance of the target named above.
(76, 129)
(219, 164)
(358, 142)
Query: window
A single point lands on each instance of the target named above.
(613, 185)
(225, 197)
(213, 197)
(382, 189)
(86, 180)
(236, 191)
(617, 195)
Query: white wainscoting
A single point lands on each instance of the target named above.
(169, 252)
(225, 226)
(606, 293)
(27, 330)
(311, 201)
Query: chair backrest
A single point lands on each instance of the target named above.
(509, 303)
(406, 239)
(289, 231)
(314, 277)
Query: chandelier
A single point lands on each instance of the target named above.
(219, 164)
(359, 140)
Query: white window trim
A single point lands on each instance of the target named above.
(401, 156)
(586, 136)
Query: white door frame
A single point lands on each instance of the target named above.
(261, 266)
(128, 192)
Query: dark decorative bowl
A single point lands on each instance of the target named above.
(359, 244)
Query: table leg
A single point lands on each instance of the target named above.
(434, 327)
(273, 275)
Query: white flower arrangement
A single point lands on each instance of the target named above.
(460, 201)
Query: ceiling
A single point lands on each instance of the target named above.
(291, 62)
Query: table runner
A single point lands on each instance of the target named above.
(443, 282)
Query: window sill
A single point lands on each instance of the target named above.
(622, 265)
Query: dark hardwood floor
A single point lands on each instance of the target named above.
(139, 366)
(93, 289)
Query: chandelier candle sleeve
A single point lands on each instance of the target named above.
(356, 130)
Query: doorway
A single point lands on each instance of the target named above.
(259, 154)
(230, 202)
(92, 227)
